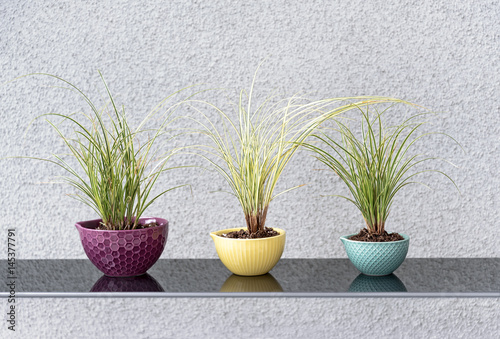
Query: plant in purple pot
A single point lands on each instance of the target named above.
(114, 168)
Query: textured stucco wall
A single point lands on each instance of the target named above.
(259, 318)
(441, 55)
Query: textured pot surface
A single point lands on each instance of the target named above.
(376, 258)
(249, 257)
(123, 253)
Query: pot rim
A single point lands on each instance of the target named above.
(346, 238)
(162, 223)
(215, 234)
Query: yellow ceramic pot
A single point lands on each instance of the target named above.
(249, 256)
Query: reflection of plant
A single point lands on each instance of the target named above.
(252, 151)
(119, 170)
(376, 166)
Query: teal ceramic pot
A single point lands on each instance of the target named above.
(376, 258)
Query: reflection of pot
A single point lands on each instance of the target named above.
(261, 283)
(123, 253)
(376, 258)
(142, 283)
(387, 283)
(249, 257)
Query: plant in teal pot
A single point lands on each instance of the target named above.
(375, 162)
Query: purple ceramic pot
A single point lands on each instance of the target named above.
(123, 253)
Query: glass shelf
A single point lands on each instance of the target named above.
(438, 277)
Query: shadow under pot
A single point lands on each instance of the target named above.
(123, 253)
(142, 283)
(261, 283)
(386, 283)
(376, 258)
(249, 257)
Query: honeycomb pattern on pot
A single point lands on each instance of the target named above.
(376, 258)
(123, 253)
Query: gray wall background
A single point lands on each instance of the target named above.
(440, 55)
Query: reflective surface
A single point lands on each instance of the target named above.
(290, 278)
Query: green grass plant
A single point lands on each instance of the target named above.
(376, 163)
(116, 166)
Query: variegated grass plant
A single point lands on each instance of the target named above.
(376, 163)
(116, 166)
(252, 150)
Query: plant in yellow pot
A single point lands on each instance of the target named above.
(251, 152)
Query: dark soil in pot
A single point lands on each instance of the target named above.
(366, 236)
(244, 234)
(139, 227)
